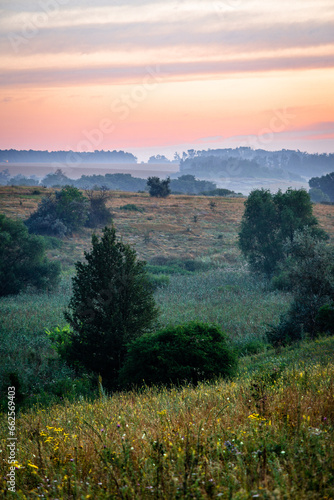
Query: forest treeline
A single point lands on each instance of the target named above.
(185, 184)
(247, 162)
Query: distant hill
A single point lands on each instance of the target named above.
(258, 163)
(66, 157)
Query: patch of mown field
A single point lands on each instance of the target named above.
(267, 434)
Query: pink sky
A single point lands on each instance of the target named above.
(158, 77)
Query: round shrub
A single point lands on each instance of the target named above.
(178, 354)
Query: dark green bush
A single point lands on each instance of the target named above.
(98, 213)
(131, 207)
(52, 243)
(170, 265)
(59, 213)
(325, 318)
(158, 188)
(23, 261)
(185, 353)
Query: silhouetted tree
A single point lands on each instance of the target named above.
(158, 188)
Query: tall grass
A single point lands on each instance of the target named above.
(266, 435)
(25, 350)
(239, 303)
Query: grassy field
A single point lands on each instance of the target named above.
(179, 226)
(266, 434)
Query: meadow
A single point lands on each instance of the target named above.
(266, 434)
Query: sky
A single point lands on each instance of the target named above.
(153, 77)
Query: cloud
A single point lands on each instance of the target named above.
(202, 32)
(122, 74)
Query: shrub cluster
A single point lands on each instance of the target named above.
(185, 353)
(23, 261)
(62, 212)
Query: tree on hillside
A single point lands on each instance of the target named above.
(22, 260)
(98, 213)
(158, 188)
(317, 196)
(269, 220)
(325, 184)
(59, 213)
(308, 272)
(112, 304)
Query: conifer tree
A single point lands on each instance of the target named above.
(112, 304)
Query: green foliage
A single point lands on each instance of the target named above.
(325, 184)
(26, 351)
(22, 260)
(158, 188)
(112, 303)
(188, 184)
(131, 207)
(170, 265)
(185, 353)
(268, 221)
(220, 192)
(317, 196)
(60, 338)
(98, 214)
(325, 318)
(249, 345)
(59, 213)
(158, 281)
(308, 273)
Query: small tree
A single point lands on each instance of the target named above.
(22, 260)
(112, 304)
(178, 354)
(99, 214)
(158, 188)
(268, 221)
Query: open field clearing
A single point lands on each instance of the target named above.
(178, 226)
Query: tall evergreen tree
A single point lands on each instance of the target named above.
(112, 304)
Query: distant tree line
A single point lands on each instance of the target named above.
(215, 166)
(70, 158)
(287, 164)
(185, 184)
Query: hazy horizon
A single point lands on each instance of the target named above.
(150, 77)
